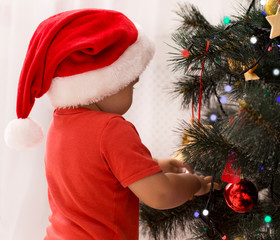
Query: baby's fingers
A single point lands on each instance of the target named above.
(208, 179)
(183, 166)
(187, 166)
(216, 186)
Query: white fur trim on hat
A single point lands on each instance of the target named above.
(23, 134)
(93, 86)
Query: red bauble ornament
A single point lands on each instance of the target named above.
(185, 53)
(242, 196)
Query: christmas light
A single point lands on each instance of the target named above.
(213, 117)
(261, 167)
(278, 99)
(267, 219)
(205, 212)
(223, 99)
(262, 2)
(196, 214)
(185, 53)
(264, 13)
(276, 72)
(226, 20)
(228, 88)
(253, 40)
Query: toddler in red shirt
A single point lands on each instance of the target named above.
(97, 168)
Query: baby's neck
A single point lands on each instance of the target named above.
(91, 106)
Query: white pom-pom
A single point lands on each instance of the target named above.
(23, 134)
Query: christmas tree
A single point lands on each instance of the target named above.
(230, 81)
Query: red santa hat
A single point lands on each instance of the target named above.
(77, 57)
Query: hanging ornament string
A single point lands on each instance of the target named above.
(200, 82)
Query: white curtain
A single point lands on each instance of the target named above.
(23, 190)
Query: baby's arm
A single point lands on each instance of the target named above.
(169, 190)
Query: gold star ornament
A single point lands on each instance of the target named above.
(274, 21)
(250, 75)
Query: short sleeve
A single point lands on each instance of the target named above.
(127, 157)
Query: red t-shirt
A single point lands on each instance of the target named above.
(91, 158)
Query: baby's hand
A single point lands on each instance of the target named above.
(206, 185)
(171, 165)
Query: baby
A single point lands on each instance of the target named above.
(97, 168)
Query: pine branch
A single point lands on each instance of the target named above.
(249, 125)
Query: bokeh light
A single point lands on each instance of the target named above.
(205, 212)
(276, 72)
(223, 99)
(267, 219)
(228, 88)
(213, 117)
(196, 214)
(226, 20)
(253, 40)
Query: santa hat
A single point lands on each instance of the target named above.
(78, 57)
